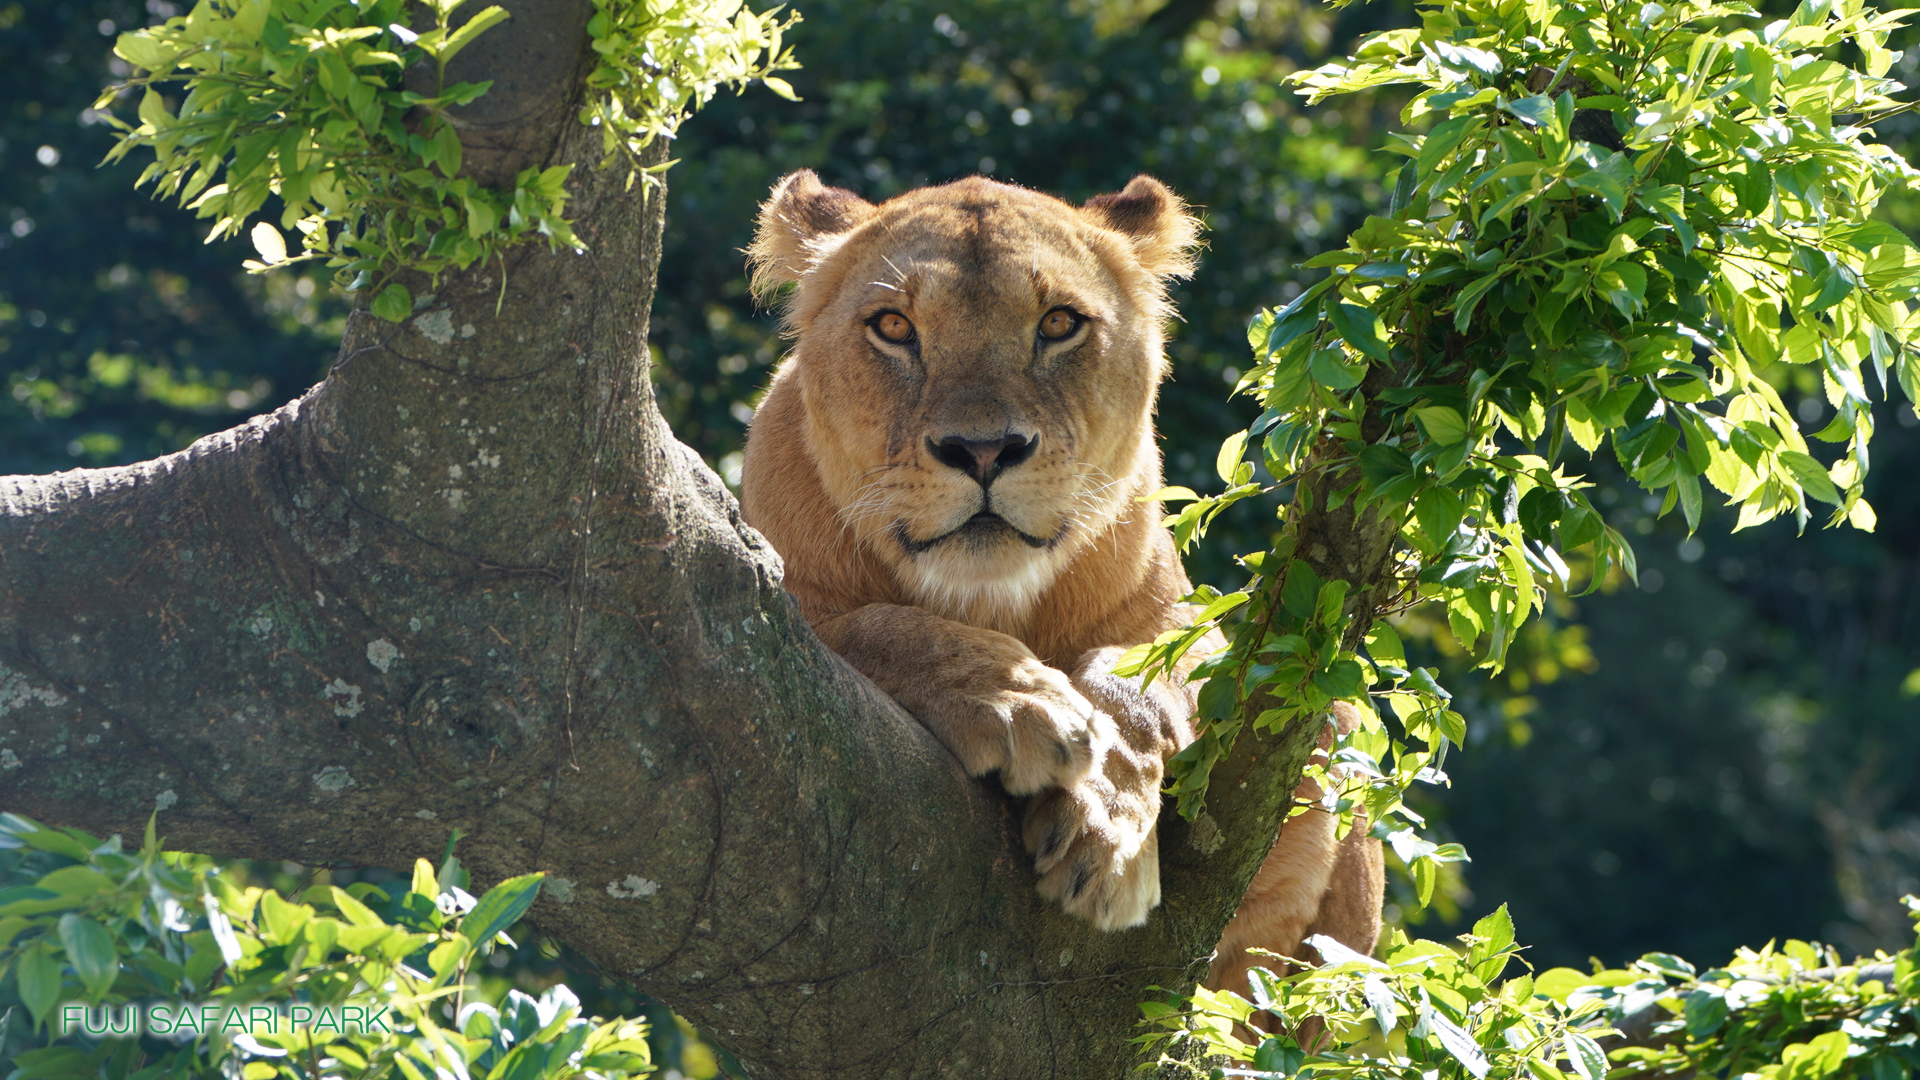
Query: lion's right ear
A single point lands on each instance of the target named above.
(798, 223)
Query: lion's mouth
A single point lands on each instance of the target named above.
(981, 530)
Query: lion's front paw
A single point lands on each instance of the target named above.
(1039, 732)
(1094, 845)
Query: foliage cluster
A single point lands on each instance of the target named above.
(344, 113)
(662, 59)
(1429, 1010)
(1614, 225)
(98, 282)
(89, 930)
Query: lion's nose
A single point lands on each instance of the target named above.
(983, 459)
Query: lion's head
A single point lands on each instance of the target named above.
(978, 365)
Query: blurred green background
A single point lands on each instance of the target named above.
(1723, 755)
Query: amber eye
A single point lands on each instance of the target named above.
(1058, 323)
(893, 326)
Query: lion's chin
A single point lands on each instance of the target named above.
(984, 573)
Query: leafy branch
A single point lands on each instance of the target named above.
(306, 101)
(1618, 229)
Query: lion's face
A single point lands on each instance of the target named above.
(979, 364)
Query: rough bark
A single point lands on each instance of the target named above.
(470, 580)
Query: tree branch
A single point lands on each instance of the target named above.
(471, 581)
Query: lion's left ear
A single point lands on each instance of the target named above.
(795, 219)
(1164, 234)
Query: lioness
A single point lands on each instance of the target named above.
(950, 461)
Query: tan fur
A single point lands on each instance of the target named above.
(874, 465)
(1311, 883)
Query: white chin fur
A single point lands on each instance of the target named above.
(993, 589)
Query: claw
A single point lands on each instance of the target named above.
(1082, 874)
(1056, 834)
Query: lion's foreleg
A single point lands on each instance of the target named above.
(982, 693)
(1093, 842)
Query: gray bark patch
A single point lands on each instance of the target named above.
(381, 654)
(16, 692)
(341, 688)
(333, 778)
(436, 326)
(634, 888)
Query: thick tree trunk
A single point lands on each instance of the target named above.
(470, 580)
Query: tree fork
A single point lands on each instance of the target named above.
(470, 580)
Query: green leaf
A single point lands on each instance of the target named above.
(482, 21)
(1609, 180)
(38, 973)
(1221, 605)
(70, 881)
(1872, 234)
(269, 243)
(1688, 486)
(1586, 1056)
(1360, 328)
(1439, 511)
(1811, 474)
(90, 950)
(153, 110)
(1497, 927)
(138, 47)
(1341, 680)
(1539, 509)
(481, 217)
(394, 303)
(501, 907)
(1579, 526)
(1466, 58)
(1422, 680)
(1229, 458)
(1258, 329)
(1752, 185)
(1440, 142)
(1383, 643)
(1426, 875)
(1454, 1038)
(1219, 699)
(1330, 369)
(1386, 1011)
(443, 150)
(1443, 423)
(1301, 591)
(1624, 284)
(1470, 298)
(1537, 110)
(1705, 1012)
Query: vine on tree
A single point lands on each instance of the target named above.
(308, 101)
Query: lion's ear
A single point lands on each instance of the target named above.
(795, 219)
(1164, 234)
